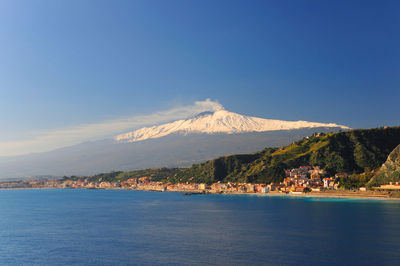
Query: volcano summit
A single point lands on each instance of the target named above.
(221, 121)
(175, 144)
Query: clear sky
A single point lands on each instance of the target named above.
(64, 64)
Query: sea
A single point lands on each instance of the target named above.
(126, 227)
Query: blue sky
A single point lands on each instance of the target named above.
(64, 64)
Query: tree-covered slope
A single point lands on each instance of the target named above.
(350, 151)
(156, 174)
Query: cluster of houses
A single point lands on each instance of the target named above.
(297, 180)
(145, 183)
(314, 178)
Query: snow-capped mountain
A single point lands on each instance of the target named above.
(221, 121)
(180, 143)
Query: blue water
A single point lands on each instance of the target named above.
(120, 227)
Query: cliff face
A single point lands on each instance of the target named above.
(390, 170)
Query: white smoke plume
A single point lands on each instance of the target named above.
(49, 140)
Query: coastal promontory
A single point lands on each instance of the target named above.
(390, 170)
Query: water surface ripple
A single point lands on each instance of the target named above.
(121, 227)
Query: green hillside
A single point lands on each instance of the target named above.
(352, 151)
(156, 174)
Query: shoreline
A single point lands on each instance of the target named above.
(325, 194)
(339, 195)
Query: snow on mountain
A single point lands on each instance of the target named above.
(221, 121)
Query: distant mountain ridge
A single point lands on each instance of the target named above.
(174, 150)
(221, 121)
(176, 144)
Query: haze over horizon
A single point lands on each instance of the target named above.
(78, 70)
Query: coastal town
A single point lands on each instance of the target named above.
(298, 181)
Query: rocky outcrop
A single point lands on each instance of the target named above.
(390, 170)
